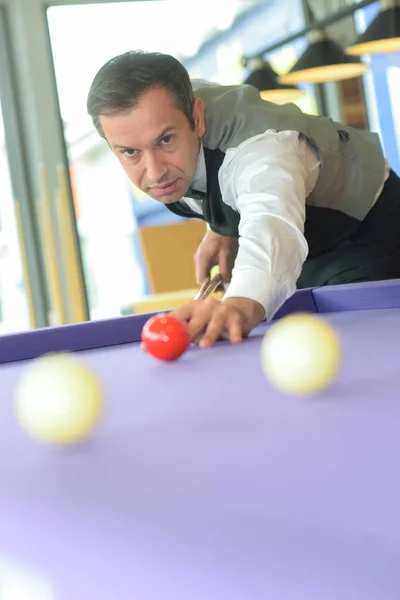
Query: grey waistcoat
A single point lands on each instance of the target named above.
(351, 161)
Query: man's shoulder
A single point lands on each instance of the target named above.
(235, 113)
(212, 89)
(200, 83)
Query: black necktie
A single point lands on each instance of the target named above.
(195, 194)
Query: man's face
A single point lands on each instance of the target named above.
(156, 145)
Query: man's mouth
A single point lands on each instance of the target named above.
(164, 188)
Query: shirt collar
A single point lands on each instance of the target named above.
(200, 177)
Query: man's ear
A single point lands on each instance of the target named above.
(198, 116)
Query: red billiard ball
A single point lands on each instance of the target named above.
(165, 337)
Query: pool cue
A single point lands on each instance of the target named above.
(209, 287)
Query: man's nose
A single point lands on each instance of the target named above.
(155, 167)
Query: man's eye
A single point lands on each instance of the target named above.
(129, 152)
(167, 139)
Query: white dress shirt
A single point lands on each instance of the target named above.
(266, 179)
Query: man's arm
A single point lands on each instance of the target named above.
(265, 181)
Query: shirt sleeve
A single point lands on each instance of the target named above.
(265, 180)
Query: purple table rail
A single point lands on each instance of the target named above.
(123, 330)
(204, 483)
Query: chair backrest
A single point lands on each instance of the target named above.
(168, 253)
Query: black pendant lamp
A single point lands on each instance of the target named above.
(265, 79)
(324, 60)
(383, 34)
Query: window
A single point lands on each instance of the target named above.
(14, 314)
(382, 87)
(109, 209)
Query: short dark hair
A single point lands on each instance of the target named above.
(119, 84)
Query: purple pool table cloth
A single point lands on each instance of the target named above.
(204, 483)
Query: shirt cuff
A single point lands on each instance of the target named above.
(262, 288)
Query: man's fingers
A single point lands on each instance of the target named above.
(196, 314)
(226, 258)
(201, 271)
(235, 328)
(209, 320)
(223, 324)
(203, 263)
(217, 325)
(197, 326)
(184, 312)
(225, 266)
(214, 331)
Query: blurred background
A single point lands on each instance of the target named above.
(77, 240)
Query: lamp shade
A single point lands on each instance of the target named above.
(324, 60)
(265, 79)
(381, 37)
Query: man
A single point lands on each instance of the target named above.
(292, 200)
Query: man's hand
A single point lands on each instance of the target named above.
(209, 320)
(215, 249)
